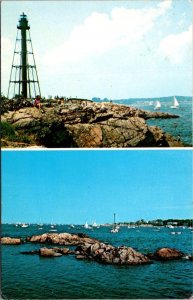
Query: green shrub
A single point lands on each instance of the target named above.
(7, 130)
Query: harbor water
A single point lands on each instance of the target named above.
(65, 277)
(178, 127)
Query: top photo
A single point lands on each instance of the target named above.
(96, 74)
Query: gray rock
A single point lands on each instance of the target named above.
(61, 239)
(116, 260)
(48, 252)
(112, 255)
(168, 254)
(80, 256)
(10, 241)
(96, 126)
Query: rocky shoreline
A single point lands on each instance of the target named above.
(84, 125)
(92, 249)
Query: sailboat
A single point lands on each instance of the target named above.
(115, 227)
(175, 103)
(157, 105)
(53, 226)
(86, 226)
(94, 224)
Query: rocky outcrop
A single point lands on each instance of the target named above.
(164, 254)
(111, 255)
(46, 252)
(50, 252)
(14, 104)
(87, 248)
(10, 241)
(61, 239)
(97, 125)
(92, 249)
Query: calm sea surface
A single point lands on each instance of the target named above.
(181, 126)
(32, 277)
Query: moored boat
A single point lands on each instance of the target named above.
(24, 225)
(115, 228)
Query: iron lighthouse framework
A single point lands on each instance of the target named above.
(23, 77)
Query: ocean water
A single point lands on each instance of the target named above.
(181, 126)
(65, 277)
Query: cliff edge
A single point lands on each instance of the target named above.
(82, 125)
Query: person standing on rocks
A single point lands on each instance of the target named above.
(38, 104)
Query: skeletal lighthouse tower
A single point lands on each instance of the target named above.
(23, 78)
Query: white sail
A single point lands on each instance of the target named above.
(87, 226)
(158, 105)
(94, 224)
(175, 103)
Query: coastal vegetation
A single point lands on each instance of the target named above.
(160, 222)
(8, 132)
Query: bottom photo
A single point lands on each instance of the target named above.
(96, 224)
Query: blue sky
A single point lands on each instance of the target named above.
(114, 49)
(79, 186)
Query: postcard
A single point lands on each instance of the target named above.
(96, 74)
(96, 149)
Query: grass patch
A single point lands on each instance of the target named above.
(9, 133)
(7, 130)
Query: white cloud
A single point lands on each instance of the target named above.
(101, 32)
(176, 47)
(166, 4)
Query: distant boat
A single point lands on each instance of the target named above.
(40, 224)
(169, 226)
(86, 226)
(157, 105)
(72, 226)
(94, 225)
(175, 103)
(131, 227)
(24, 225)
(115, 227)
